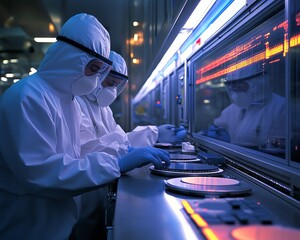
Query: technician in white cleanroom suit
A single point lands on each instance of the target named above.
(100, 130)
(256, 114)
(41, 171)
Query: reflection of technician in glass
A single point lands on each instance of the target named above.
(256, 116)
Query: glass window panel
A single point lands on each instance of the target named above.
(295, 76)
(240, 89)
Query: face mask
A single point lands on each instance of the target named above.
(93, 94)
(106, 96)
(241, 99)
(84, 85)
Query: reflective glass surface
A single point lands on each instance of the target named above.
(240, 93)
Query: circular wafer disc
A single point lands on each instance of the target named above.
(211, 181)
(163, 145)
(187, 169)
(178, 157)
(203, 186)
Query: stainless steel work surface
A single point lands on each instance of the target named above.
(144, 210)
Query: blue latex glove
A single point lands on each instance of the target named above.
(142, 156)
(130, 149)
(217, 133)
(168, 133)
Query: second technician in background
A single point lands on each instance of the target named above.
(256, 115)
(100, 130)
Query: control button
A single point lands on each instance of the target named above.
(235, 204)
(227, 218)
(264, 218)
(242, 217)
(210, 219)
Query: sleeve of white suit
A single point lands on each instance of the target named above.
(143, 136)
(93, 138)
(47, 163)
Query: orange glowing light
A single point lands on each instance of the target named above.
(267, 35)
(209, 234)
(274, 61)
(273, 51)
(136, 61)
(231, 55)
(295, 41)
(284, 25)
(234, 67)
(199, 220)
(267, 53)
(51, 27)
(285, 44)
(187, 207)
(137, 40)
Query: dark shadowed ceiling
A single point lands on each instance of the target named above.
(22, 20)
(142, 46)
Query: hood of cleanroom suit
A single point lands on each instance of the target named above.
(119, 64)
(99, 130)
(41, 171)
(64, 62)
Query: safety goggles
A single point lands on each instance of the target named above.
(115, 79)
(105, 65)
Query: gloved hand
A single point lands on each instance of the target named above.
(217, 133)
(168, 133)
(142, 156)
(130, 149)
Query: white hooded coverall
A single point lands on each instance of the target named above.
(99, 130)
(41, 168)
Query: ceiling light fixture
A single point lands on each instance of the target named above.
(194, 20)
(9, 75)
(14, 60)
(44, 39)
